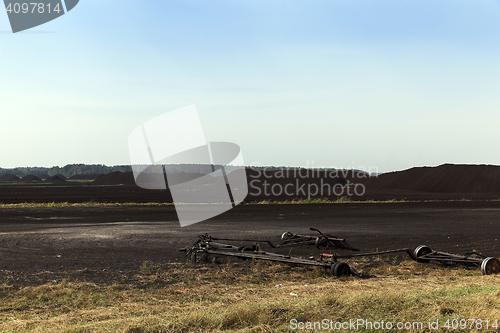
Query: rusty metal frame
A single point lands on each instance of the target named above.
(489, 265)
(205, 245)
(321, 241)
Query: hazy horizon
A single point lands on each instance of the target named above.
(250, 166)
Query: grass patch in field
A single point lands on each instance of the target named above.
(349, 200)
(244, 298)
(83, 204)
(297, 201)
(81, 181)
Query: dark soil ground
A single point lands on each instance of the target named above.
(110, 244)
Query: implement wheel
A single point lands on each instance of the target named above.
(286, 235)
(321, 242)
(420, 251)
(490, 265)
(340, 269)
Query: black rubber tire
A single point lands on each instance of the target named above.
(490, 265)
(332, 268)
(341, 269)
(246, 249)
(421, 250)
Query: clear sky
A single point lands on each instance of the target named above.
(390, 84)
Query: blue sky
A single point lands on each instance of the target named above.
(338, 83)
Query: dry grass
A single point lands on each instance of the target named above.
(83, 204)
(341, 200)
(349, 200)
(244, 298)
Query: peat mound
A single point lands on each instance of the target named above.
(182, 177)
(115, 178)
(446, 178)
(92, 176)
(56, 179)
(9, 178)
(127, 178)
(30, 179)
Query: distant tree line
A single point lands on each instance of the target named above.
(101, 169)
(67, 171)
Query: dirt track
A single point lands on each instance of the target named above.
(110, 244)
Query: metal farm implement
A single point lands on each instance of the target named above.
(489, 265)
(321, 241)
(205, 245)
(424, 254)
